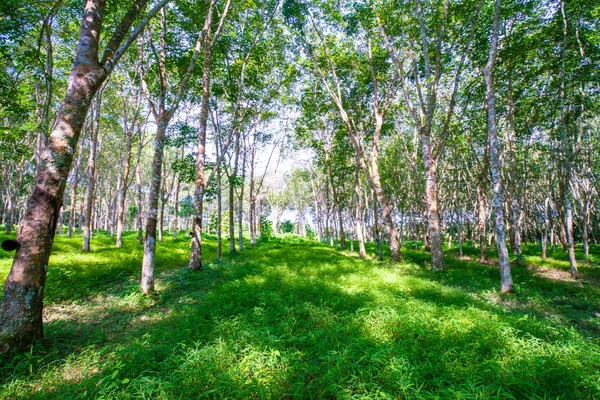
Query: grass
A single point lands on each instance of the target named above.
(297, 319)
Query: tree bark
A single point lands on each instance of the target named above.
(91, 175)
(200, 183)
(482, 206)
(358, 217)
(496, 163)
(433, 219)
(147, 281)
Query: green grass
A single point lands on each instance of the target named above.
(297, 319)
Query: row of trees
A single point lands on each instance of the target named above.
(426, 120)
(453, 112)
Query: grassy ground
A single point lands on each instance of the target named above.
(297, 319)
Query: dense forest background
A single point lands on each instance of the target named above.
(377, 127)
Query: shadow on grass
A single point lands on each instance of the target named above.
(300, 320)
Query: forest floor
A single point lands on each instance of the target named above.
(292, 318)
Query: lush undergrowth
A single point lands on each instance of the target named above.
(297, 319)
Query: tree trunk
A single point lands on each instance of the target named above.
(220, 218)
(251, 201)
(138, 181)
(241, 200)
(123, 192)
(91, 184)
(517, 217)
(200, 183)
(482, 207)
(496, 166)
(567, 223)
(433, 219)
(74, 195)
(358, 215)
(147, 281)
(376, 233)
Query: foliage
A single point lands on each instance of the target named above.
(286, 226)
(266, 229)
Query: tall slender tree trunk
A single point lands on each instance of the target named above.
(123, 191)
(220, 218)
(482, 206)
(251, 200)
(139, 200)
(433, 219)
(517, 217)
(338, 206)
(200, 183)
(161, 214)
(91, 183)
(8, 212)
(496, 166)
(74, 195)
(358, 217)
(585, 228)
(176, 207)
(147, 281)
(567, 223)
(241, 200)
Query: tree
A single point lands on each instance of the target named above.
(496, 166)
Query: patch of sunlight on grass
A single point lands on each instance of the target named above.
(292, 318)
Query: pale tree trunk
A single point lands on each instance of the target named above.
(129, 126)
(139, 201)
(232, 180)
(567, 223)
(546, 228)
(376, 228)
(433, 219)
(482, 206)
(21, 310)
(123, 193)
(82, 210)
(496, 166)
(338, 205)
(517, 216)
(176, 205)
(147, 281)
(241, 199)
(220, 218)
(8, 211)
(358, 216)
(586, 222)
(423, 115)
(515, 208)
(91, 175)
(74, 194)
(251, 199)
(196, 250)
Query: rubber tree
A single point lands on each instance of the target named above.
(506, 283)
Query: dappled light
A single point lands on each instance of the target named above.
(295, 318)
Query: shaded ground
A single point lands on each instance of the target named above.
(297, 319)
